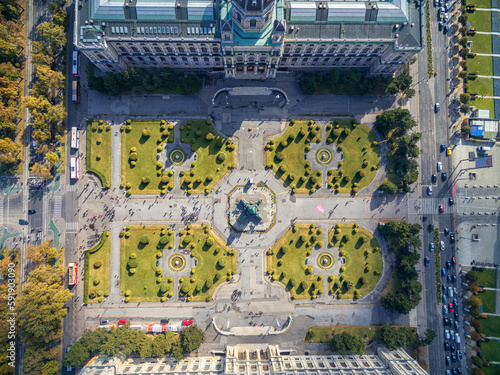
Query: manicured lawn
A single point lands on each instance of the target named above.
(286, 261)
(216, 155)
(483, 4)
(93, 272)
(489, 299)
(216, 262)
(482, 65)
(99, 151)
(144, 284)
(490, 326)
(481, 86)
(323, 334)
(285, 155)
(393, 286)
(492, 370)
(362, 260)
(481, 20)
(487, 277)
(484, 103)
(146, 151)
(491, 350)
(481, 43)
(360, 156)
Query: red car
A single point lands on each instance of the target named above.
(187, 322)
(122, 322)
(454, 261)
(441, 208)
(451, 307)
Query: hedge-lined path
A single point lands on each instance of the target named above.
(116, 156)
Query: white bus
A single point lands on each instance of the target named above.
(75, 138)
(75, 91)
(74, 173)
(76, 63)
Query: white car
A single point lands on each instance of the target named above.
(429, 190)
(445, 309)
(441, 246)
(439, 166)
(457, 338)
(446, 334)
(452, 334)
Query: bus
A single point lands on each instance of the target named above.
(73, 165)
(75, 91)
(75, 138)
(76, 64)
(72, 274)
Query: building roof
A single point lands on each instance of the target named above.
(253, 5)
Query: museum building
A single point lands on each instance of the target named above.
(249, 38)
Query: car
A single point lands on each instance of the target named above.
(450, 292)
(456, 325)
(441, 208)
(446, 345)
(427, 261)
(447, 6)
(450, 306)
(457, 338)
(23, 222)
(431, 247)
(187, 322)
(452, 348)
(443, 287)
(424, 218)
(452, 238)
(452, 334)
(454, 278)
(103, 322)
(446, 334)
(451, 201)
(444, 176)
(164, 321)
(449, 278)
(429, 190)
(448, 151)
(455, 315)
(446, 28)
(454, 371)
(459, 355)
(445, 300)
(443, 272)
(441, 245)
(436, 3)
(442, 147)
(453, 358)
(446, 321)
(430, 227)
(446, 16)
(122, 322)
(445, 309)
(454, 261)
(448, 265)
(455, 291)
(437, 107)
(434, 178)
(459, 371)
(441, 25)
(446, 231)
(448, 360)
(439, 166)
(31, 212)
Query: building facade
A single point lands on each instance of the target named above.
(263, 359)
(249, 38)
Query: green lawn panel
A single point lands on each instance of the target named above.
(99, 151)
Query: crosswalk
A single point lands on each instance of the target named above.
(57, 205)
(70, 187)
(71, 226)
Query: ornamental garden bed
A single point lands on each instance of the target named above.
(99, 151)
(97, 270)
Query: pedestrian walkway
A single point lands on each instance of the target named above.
(2, 203)
(488, 9)
(487, 54)
(491, 77)
(57, 206)
(116, 152)
(488, 97)
(488, 32)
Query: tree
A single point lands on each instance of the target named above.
(463, 53)
(476, 324)
(40, 171)
(463, 41)
(388, 187)
(399, 302)
(344, 342)
(474, 301)
(77, 355)
(52, 157)
(51, 35)
(464, 108)
(472, 276)
(475, 336)
(9, 151)
(477, 361)
(51, 368)
(191, 338)
(397, 337)
(430, 336)
(399, 120)
(46, 79)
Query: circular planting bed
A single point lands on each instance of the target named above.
(324, 156)
(177, 262)
(177, 156)
(325, 260)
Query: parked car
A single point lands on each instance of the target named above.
(454, 278)
(441, 208)
(443, 272)
(445, 300)
(445, 309)
(459, 355)
(446, 321)
(439, 166)
(122, 322)
(450, 292)
(446, 334)
(448, 360)
(452, 334)
(437, 107)
(450, 306)
(448, 151)
(441, 25)
(453, 358)
(446, 345)
(446, 28)
(456, 325)
(187, 322)
(448, 265)
(442, 147)
(455, 315)
(457, 338)
(454, 261)
(103, 322)
(427, 261)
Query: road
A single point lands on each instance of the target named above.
(436, 130)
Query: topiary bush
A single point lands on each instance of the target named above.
(97, 264)
(221, 157)
(221, 263)
(132, 263)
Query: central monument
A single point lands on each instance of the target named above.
(251, 208)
